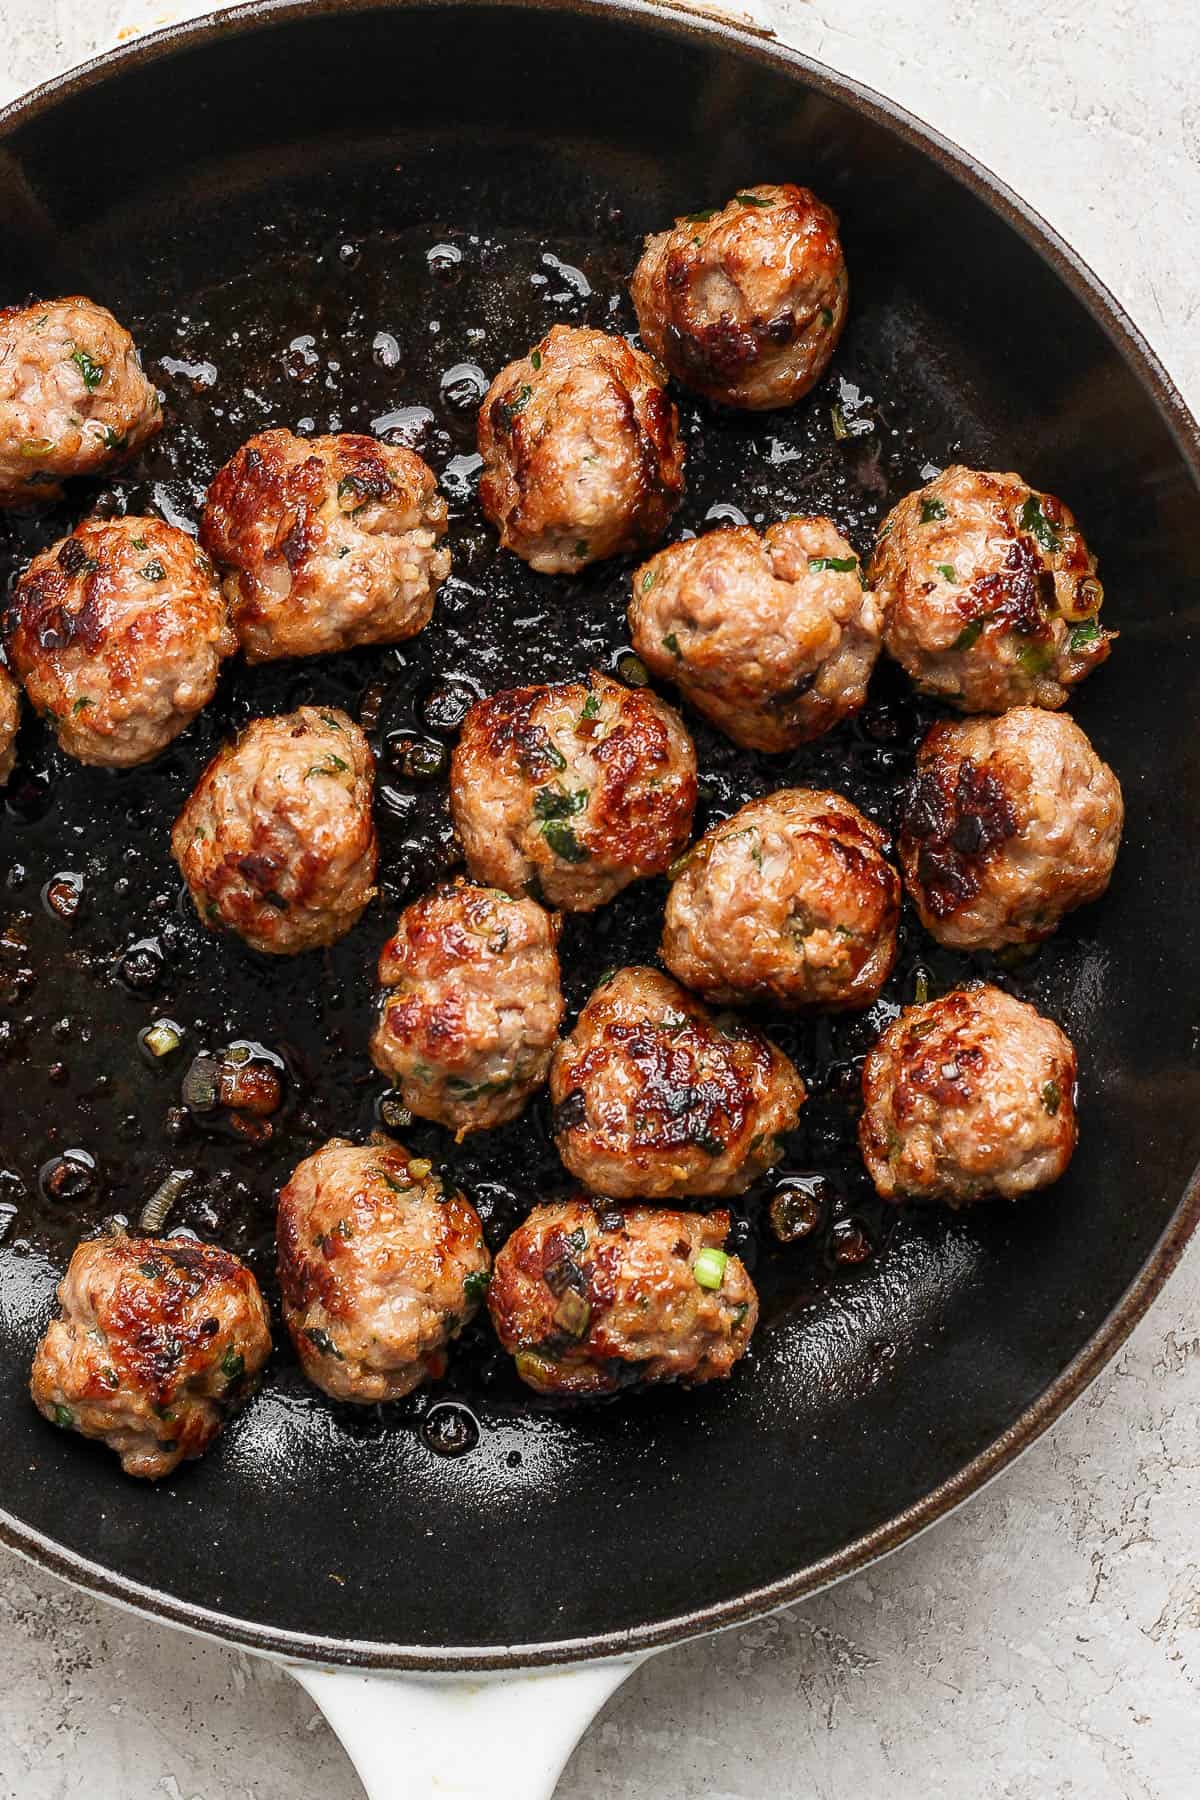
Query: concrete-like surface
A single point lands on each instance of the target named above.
(1042, 1645)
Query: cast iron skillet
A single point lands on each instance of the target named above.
(322, 214)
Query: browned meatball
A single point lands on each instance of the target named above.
(989, 593)
(379, 1266)
(968, 1096)
(10, 720)
(157, 1341)
(573, 791)
(773, 638)
(325, 543)
(655, 1098)
(790, 901)
(1009, 824)
(746, 302)
(582, 457)
(590, 1301)
(118, 633)
(471, 1005)
(277, 841)
(73, 398)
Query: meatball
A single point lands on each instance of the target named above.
(471, 1005)
(773, 638)
(118, 633)
(989, 593)
(157, 1341)
(592, 1301)
(571, 792)
(582, 457)
(10, 719)
(968, 1096)
(1008, 824)
(325, 543)
(745, 303)
(277, 841)
(791, 901)
(655, 1098)
(73, 398)
(379, 1267)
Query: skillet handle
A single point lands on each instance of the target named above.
(504, 1738)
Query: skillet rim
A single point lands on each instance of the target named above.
(753, 43)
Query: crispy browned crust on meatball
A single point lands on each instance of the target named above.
(10, 720)
(571, 792)
(745, 303)
(582, 456)
(73, 398)
(592, 1298)
(968, 1096)
(772, 637)
(118, 633)
(1008, 824)
(989, 592)
(791, 901)
(380, 1266)
(157, 1341)
(277, 841)
(325, 543)
(656, 1098)
(471, 1005)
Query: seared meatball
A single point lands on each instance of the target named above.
(1008, 825)
(118, 633)
(573, 791)
(73, 398)
(745, 303)
(325, 543)
(157, 1341)
(773, 638)
(967, 1096)
(471, 1005)
(655, 1098)
(582, 457)
(590, 1300)
(277, 841)
(379, 1267)
(10, 719)
(790, 901)
(989, 593)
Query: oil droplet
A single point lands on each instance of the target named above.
(450, 1429)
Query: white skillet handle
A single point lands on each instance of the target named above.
(505, 1738)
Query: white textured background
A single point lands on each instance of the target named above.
(1043, 1645)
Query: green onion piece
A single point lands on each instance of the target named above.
(64, 1416)
(476, 1286)
(1052, 1097)
(632, 670)
(752, 200)
(1034, 520)
(709, 1268)
(158, 1206)
(671, 643)
(932, 509)
(33, 449)
(233, 1365)
(968, 635)
(648, 580)
(1083, 635)
(841, 565)
(837, 419)
(535, 358)
(162, 1037)
(89, 368)
(946, 571)
(573, 1314)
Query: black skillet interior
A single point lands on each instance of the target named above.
(350, 219)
